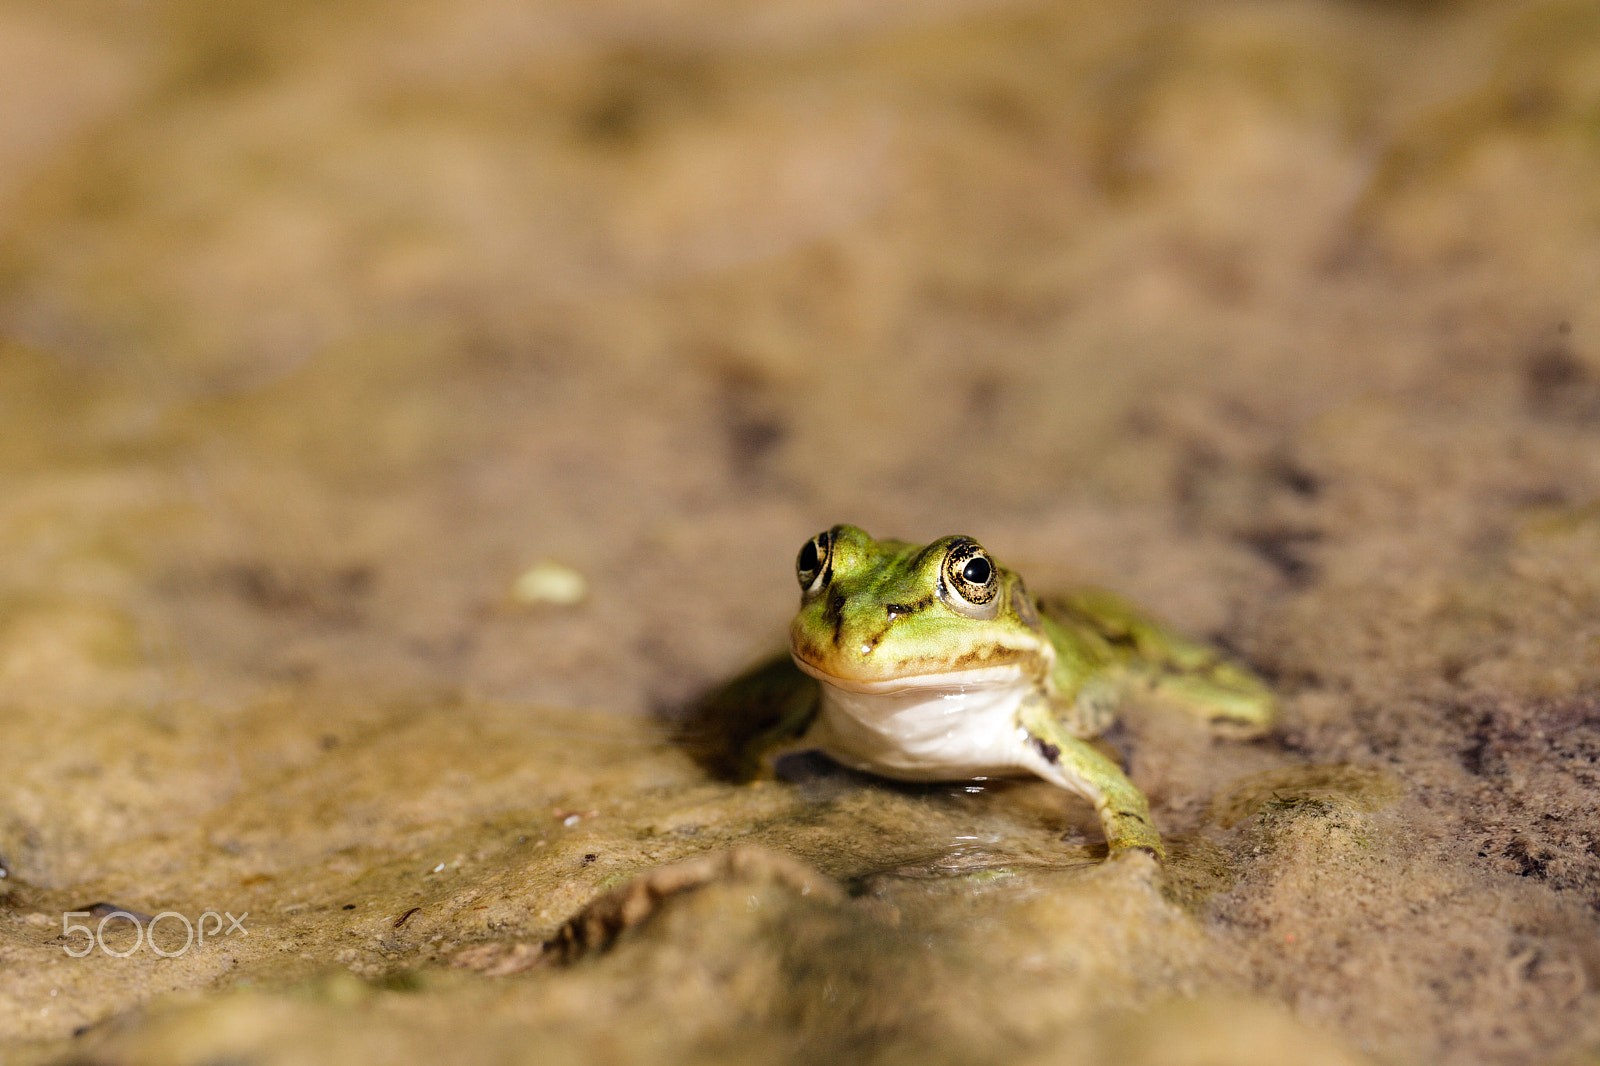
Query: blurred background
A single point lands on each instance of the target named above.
(322, 323)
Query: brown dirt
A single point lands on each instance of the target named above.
(322, 323)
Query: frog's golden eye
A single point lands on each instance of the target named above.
(971, 579)
(811, 567)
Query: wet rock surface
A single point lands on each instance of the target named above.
(403, 410)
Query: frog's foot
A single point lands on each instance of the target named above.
(1130, 832)
(1131, 851)
(1145, 862)
(1074, 764)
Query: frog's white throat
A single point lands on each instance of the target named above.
(936, 727)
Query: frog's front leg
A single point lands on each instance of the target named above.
(1065, 760)
(733, 729)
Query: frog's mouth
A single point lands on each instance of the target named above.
(997, 675)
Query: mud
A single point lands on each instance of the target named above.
(330, 332)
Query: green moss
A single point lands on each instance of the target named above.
(1306, 790)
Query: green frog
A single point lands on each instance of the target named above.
(934, 663)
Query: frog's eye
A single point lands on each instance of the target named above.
(812, 564)
(970, 578)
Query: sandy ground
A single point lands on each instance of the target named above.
(322, 324)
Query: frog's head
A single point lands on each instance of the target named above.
(882, 615)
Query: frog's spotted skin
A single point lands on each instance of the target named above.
(936, 664)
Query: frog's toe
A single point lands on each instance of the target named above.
(1131, 852)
